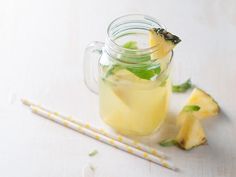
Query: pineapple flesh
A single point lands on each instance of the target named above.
(191, 133)
(208, 106)
(165, 41)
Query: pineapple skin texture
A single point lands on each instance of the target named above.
(191, 133)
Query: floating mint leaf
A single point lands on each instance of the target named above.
(182, 87)
(191, 108)
(127, 56)
(93, 153)
(130, 45)
(146, 72)
(168, 142)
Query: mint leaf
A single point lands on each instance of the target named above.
(191, 108)
(127, 57)
(93, 153)
(182, 87)
(146, 72)
(130, 45)
(143, 72)
(168, 142)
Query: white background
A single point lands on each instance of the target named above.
(41, 53)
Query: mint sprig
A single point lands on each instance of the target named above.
(127, 56)
(145, 71)
(131, 45)
(168, 142)
(93, 153)
(182, 87)
(191, 108)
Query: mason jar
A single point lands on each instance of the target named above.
(132, 83)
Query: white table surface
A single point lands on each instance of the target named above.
(41, 53)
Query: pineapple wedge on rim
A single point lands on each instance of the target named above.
(164, 40)
(191, 133)
(208, 105)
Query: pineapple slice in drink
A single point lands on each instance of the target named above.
(191, 133)
(208, 105)
(123, 81)
(123, 75)
(132, 105)
(164, 41)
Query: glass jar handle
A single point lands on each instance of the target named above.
(92, 51)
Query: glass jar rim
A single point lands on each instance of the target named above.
(121, 49)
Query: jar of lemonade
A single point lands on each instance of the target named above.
(133, 67)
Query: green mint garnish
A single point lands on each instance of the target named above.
(182, 87)
(131, 45)
(93, 153)
(168, 142)
(145, 71)
(191, 108)
(127, 57)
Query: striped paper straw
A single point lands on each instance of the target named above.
(70, 124)
(116, 137)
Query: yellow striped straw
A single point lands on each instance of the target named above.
(117, 137)
(117, 141)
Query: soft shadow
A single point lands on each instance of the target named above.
(223, 115)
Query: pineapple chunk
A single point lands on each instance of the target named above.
(191, 133)
(125, 80)
(181, 118)
(208, 105)
(164, 40)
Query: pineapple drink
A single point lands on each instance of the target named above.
(134, 67)
(135, 90)
(133, 106)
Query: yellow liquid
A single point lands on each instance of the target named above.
(133, 106)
